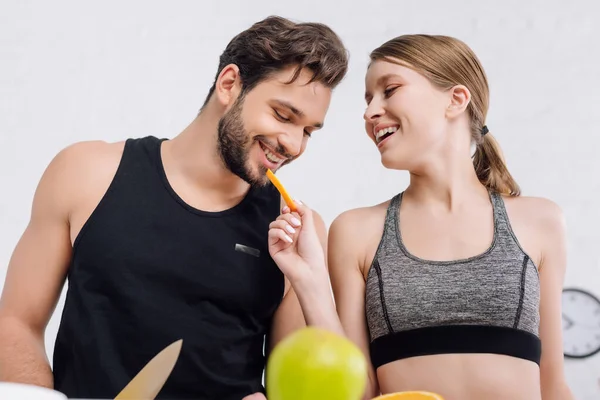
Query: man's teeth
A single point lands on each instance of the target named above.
(272, 157)
(390, 129)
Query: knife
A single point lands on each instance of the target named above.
(150, 380)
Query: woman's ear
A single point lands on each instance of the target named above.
(459, 101)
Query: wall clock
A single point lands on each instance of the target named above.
(581, 323)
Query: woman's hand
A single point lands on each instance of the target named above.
(295, 246)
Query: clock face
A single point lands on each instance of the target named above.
(581, 323)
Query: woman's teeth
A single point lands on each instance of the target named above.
(385, 131)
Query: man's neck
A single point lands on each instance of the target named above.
(192, 156)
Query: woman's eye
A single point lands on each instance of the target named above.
(388, 92)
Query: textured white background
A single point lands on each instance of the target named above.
(72, 71)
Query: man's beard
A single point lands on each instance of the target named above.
(234, 145)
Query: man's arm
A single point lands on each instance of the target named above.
(37, 269)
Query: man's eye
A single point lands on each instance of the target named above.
(281, 117)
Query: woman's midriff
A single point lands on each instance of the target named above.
(464, 377)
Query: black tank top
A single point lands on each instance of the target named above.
(148, 269)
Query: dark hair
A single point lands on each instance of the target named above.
(276, 43)
(446, 62)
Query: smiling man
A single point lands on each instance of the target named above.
(167, 239)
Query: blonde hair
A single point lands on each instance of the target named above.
(447, 62)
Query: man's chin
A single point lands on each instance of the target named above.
(260, 181)
(256, 177)
(257, 182)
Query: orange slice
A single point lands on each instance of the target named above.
(286, 197)
(415, 395)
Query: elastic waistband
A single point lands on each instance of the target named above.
(458, 339)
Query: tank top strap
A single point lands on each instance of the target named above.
(504, 231)
(389, 238)
(392, 217)
(146, 151)
(139, 171)
(501, 221)
(140, 163)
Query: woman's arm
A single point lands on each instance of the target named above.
(552, 231)
(300, 255)
(346, 247)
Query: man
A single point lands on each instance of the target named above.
(167, 239)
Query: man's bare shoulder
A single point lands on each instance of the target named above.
(76, 171)
(86, 160)
(93, 152)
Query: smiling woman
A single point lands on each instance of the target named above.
(453, 285)
(452, 276)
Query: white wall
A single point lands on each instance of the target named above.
(72, 71)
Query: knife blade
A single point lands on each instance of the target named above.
(150, 380)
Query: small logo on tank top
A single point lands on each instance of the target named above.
(248, 250)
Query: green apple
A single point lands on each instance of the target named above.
(312, 364)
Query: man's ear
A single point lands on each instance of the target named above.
(460, 97)
(228, 86)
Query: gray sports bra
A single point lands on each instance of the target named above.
(483, 304)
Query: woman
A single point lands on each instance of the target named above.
(454, 285)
